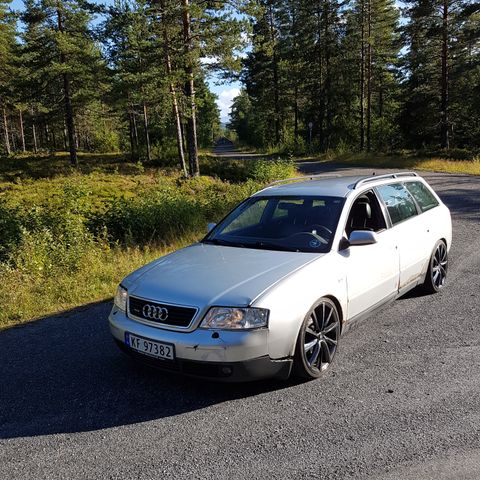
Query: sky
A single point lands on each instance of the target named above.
(225, 92)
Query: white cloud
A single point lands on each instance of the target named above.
(208, 60)
(224, 102)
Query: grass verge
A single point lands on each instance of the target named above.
(68, 237)
(409, 161)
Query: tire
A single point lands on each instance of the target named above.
(317, 340)
(437, 269)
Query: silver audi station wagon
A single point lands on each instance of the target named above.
(270, 289)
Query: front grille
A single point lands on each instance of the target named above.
(161, 313)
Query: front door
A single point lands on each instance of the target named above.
(372, 271)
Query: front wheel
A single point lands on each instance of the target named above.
(317, 340)
(437, 268)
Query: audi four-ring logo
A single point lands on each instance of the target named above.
(155, 313)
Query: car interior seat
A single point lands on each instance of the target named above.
(360, 216)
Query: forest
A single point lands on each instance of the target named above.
(108, 118)
(370, 75)
(316, 75)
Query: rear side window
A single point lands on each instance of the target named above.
(422, 195)
(399, 202)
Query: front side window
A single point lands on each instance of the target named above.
(424, 197)
(365, 214)
(399, 202)
(305, 224)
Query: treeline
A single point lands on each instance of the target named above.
(318, 75)
(363, 75)
(124, 76)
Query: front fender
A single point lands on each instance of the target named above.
(291, 299)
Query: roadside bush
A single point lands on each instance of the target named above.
(229, 170)
(155, 217)
(53, 237)
(264, 171)
(10, 230)
(47, 251)
(69, 241)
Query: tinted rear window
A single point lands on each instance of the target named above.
(399, 202)
(422, 195)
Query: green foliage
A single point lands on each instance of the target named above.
(359, 76)
(10, 230)
(72, 219)
(265, 171)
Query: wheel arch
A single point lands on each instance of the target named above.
(339, 308)
(337, 304)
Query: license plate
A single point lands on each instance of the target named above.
(150, 347)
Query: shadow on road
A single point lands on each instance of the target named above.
(64, 374)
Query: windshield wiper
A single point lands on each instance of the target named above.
(224, 243)
(271, 246)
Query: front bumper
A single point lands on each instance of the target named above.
(222, 355)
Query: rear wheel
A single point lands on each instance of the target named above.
(318, 340)
(437, 268)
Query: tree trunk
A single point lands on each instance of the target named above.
(326, 94)
(65, 137)
(22, 132)
(135, 131)
(173, 92)
(276, 96)
(68, 100)
(296, 112)
(369, 75)
(380, 97)
(147, 136)
(13, 143)
(5, 132)
(362, 77)
(444, 139)
(190, 92)
(295, 79)
(320, 77)
(34, 135)
(132, 136)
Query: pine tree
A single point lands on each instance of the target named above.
(63, 70)
(7, 54)
(442, 38)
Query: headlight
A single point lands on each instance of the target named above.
(120, 299)
(235, 318)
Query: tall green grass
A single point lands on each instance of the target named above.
(71, 243)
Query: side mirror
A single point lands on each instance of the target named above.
(362, 237)
(210, 227)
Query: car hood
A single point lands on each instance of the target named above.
(202, 275)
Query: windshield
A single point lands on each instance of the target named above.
(304, 224)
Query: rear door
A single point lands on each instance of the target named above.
(409, 230)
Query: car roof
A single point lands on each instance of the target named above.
(329, 186)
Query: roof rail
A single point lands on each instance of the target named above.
(373, 178)
(306, 177)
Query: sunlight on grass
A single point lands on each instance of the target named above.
(67, 237)
(24, 296)
(408, 161)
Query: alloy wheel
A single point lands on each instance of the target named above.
(322, 332)
(439, 266)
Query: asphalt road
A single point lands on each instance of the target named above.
(401, 401)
